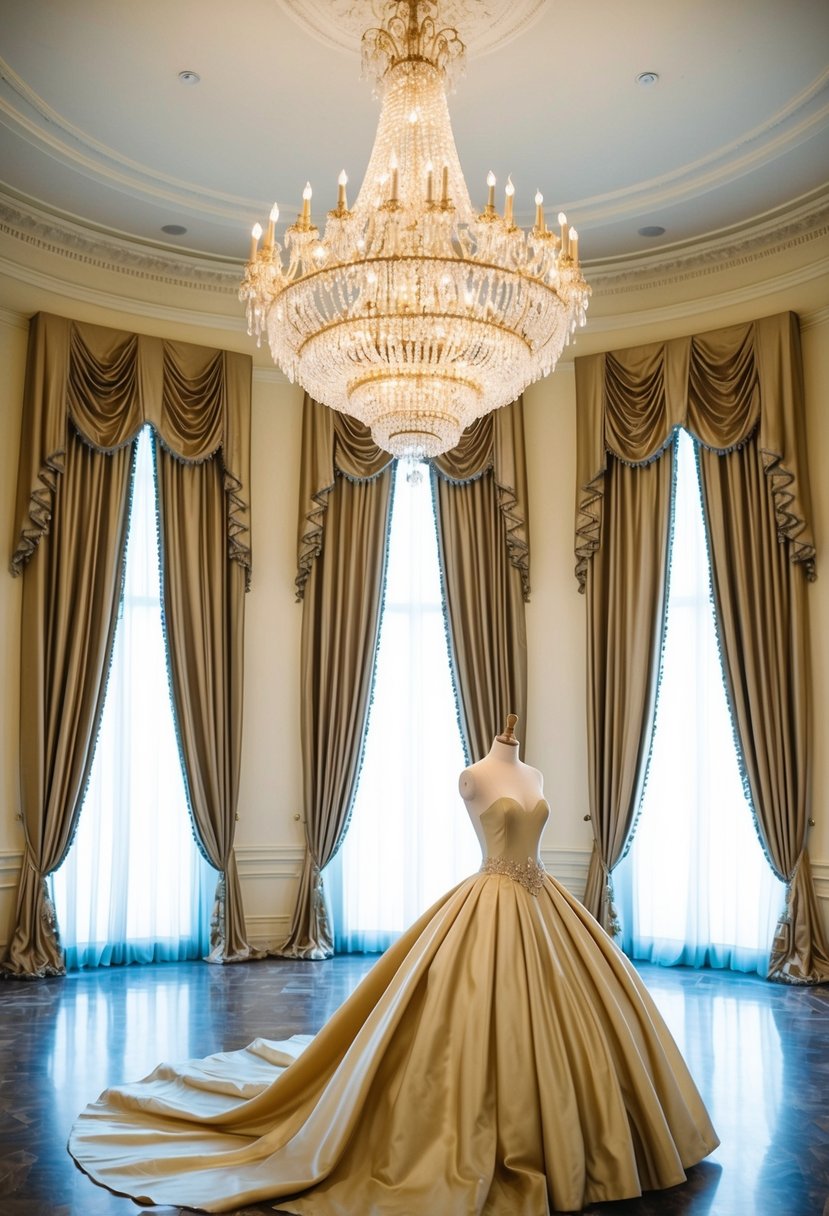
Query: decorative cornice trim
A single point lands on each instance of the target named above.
(813, 319)
(120, 303)
(269, 375)
(776, 233)
(721, 299)
(14, 320)
(50, 234)
(612, 281)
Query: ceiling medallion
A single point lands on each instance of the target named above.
(485, 25)
(413, 312)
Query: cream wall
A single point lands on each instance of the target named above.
(269, 839)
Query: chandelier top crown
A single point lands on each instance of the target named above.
(410, 34)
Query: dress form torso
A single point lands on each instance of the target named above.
(501, 774)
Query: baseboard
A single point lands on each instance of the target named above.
(265, 932)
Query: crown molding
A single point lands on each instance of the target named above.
(778, 232)
(686, 308)
(614, 283)
(55, 235)
(815, 319)
(113, 302)
(14, 320)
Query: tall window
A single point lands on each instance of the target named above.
(409, 839)
(134, 887)
(695, 887)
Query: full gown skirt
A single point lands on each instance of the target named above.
(503, 1058)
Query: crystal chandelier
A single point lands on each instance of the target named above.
(413, 313)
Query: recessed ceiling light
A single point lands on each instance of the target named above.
(174, 229)
(651, 230)
(188, 77)
(647, 79)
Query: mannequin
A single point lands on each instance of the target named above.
(502, 1058)
(501, 774)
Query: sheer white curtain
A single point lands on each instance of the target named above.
(134, 887)
(695, 886)
(409, 839)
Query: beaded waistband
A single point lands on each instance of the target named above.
(529, 873)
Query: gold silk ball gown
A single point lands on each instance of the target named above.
(501, 1059)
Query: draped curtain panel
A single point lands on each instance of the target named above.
(739, 392)
(625, 620)
(344, 515)
(101, 386)
(483, 544)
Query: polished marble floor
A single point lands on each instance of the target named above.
(759, 1053)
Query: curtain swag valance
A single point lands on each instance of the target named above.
(108, 384)
(333, 443)
(721, 386)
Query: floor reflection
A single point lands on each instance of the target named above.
(759, 1053)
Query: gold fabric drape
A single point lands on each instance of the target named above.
(483, 541)
(625, 620)
(70, 608)
(762, 609)
(205, 625)
(104, 385)
(342, 582)
(344, 511)
(739, 392)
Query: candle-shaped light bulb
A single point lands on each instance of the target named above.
(430, 182)
(509, 192)
(255, 234)
(573, 238)
(272, 218)
(444, 186)
(562, 219)
(306, 203)
(394, 177)
(539, 211)
(490, 201)
(342, 182)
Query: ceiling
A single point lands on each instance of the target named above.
(97, 129)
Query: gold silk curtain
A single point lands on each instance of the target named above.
(739, 392)
(344, 515)
(89, 391)
(483, 539)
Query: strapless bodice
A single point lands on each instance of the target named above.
(511, 839)
(511, 832)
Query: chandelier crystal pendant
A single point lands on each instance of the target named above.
(413, 313)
